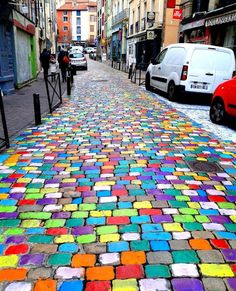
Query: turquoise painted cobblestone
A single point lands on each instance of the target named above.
(100, 197)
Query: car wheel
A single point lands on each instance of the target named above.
(147, 82)
(171, 92)
(217, 112)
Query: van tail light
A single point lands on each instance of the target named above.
(234, 74)
(184, 74)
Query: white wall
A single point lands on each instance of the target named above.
(85, 25)
(73, 25)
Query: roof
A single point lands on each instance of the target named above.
(81, 5)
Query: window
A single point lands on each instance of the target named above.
(77, 13)
(65, 28)
(92, 9)
(78, 21)
(65, 38)
(91, 28)
(78, 30)
(153, 5)
(65, 12)
(92, 18)
(65, 18)
(91, 37)
(78, 37)
(160, 57)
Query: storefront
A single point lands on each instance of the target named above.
(194, 32)
(148, 45)
(222, 30)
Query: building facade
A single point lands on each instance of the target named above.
(76, 23)
(26, 27)
(209, 22)
(120, 20)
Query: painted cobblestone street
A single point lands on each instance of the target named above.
(102, 196)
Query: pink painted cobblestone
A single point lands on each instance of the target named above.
(101, 197)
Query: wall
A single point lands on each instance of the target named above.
(171, 27)
(61, 23)
(84, 25)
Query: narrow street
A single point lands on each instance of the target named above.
(117, 190)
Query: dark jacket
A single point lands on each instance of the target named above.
(45, 59)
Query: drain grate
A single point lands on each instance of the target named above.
(208, 167)
(99, 80)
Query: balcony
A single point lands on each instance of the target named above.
(123, 15)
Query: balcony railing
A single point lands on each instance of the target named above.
(123, 15)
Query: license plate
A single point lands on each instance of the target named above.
(199, 86)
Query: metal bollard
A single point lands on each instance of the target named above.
(72, 75)
(68, 85)
(130, 71)
(37, 110)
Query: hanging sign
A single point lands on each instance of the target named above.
(177, 14)
(170, 3)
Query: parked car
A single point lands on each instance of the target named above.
(77, 61)
(223, 102)
(88, 50)
(190, 68)
(76, 48)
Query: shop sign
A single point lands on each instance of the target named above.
(192, 25)
(221, 19)
(150, 34)
(151, 17)
(177, 14)
(170, 3)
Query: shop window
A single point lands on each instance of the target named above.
(230, 38)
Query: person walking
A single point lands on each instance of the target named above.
(45, 60)
(63, 61)
(53, 67)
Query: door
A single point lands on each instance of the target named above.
(224, 67)
(158, 78)
(231, 94)
(23, 57)
(201, 71)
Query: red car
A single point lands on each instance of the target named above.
(223, 102)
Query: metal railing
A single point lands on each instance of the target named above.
(124, 14)
(4, 141)
(119, 65)
(53, 87)
(137, 73)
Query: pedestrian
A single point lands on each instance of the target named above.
(63, 61)
(53, 67)
(45, 59)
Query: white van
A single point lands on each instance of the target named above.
(190, 68)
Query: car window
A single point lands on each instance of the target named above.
(161, 56)
(76, 55)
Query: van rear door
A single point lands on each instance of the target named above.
(201, 72)
(208, 67)
(224, 64)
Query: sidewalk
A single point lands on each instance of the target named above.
(19, 109)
